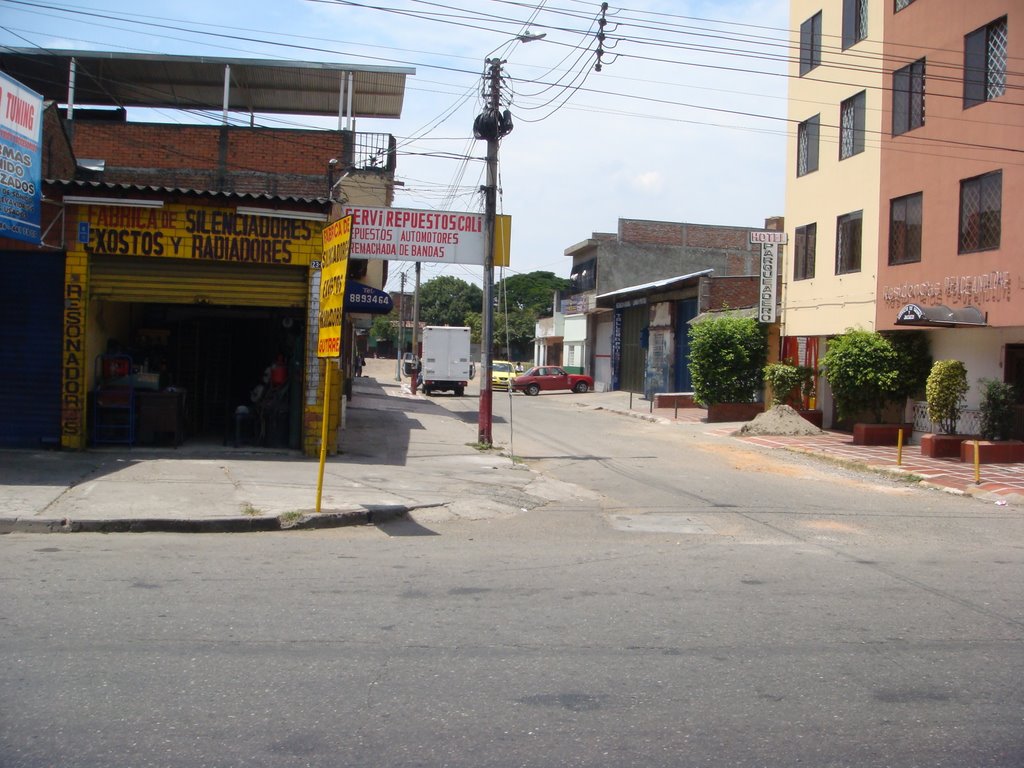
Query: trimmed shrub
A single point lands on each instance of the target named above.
(789, 383)
(946, 392)
(727, 355)
(997, 405)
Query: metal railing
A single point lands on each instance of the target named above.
(969, 422)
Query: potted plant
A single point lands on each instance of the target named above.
(792, 385)
(727, 355)
(945, 392)
(998, 405)
(866, 373)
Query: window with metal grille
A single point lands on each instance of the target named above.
(905, 215)
(810, 44)
(908, 98)
(901, 4)
(985, 63)
(805, 244)
(855, 22)
(851, 126)
(807, 145)
(848, 229)
(981, 209)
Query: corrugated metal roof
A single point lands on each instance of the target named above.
(197, 82)
(100, 186)
(656, 284)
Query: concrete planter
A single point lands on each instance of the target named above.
(734, 411)
(815, 416)
(936, 446)
(993, 451)
(881, 434)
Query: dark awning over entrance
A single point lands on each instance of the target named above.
(941, 316)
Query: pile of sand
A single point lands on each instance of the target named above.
(779, 420)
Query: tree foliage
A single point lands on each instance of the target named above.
(530, 291)
(446, 300)
(997, 409)
(727, 358)
(385, 327)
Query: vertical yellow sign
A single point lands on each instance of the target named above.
(337, 240)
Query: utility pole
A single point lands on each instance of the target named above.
(491, 125)
(401, 327)
(416, 327)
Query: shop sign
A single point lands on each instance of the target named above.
(766, 293)
(21, 136)
(197, 232)
(438, 237)
(337, 236)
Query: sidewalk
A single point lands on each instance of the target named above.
(1000, 483)
(399, 453)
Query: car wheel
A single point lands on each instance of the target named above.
(581, 386)
(532, 390)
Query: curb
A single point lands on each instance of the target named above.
(308, 520)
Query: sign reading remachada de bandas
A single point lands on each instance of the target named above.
(402, 234)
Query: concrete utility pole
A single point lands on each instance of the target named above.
(491, 126)
(416, 327)
(401, 327)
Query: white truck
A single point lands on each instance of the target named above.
(446, 364)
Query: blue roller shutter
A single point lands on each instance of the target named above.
(31, 287)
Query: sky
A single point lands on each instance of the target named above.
(685, 121)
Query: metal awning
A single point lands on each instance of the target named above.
(204, 82)
(652, 287)
(941, 316)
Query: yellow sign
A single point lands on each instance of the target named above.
(337, 241)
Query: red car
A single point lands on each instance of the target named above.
(545, 377)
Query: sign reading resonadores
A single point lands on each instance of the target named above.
(440, 237)
(766, 296)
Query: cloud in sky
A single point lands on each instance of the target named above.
(683, 123)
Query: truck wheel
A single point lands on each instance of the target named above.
(581, 386)
(459, 391)
(533, 390)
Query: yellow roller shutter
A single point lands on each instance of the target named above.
(179, 281)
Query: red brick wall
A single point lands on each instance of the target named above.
(735, 292)
(642, 232)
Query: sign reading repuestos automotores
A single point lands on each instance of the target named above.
(198, 232)
(332, 286)
(441, 237)
(21, 135)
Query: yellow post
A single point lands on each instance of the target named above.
(899, 448)
(977, 463)
(323, 432)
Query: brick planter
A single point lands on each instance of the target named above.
(674, 399)
(993, 451)
(881, 434)
(815, 416)
(936, 446)
(734, 411)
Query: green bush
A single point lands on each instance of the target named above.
(946, 391)
(915, 362)
(727, 355)
(862, 370)
(789, 383)
(997, 409)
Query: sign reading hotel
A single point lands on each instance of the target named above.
(439, 237)
(337, 240)
(766, 296)
(21, 136)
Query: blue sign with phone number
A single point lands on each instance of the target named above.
(363, 298)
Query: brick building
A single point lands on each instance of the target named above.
(181, 281)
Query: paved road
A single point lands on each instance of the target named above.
(688, 604)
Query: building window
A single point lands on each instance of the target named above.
(855, 22)
(905, 229)
(803, 257)
(810, 44)
(851, 126)
(900, 5)
(848, 243)
(908, 98)
(807, 145)
(985, 63)
(981, 208)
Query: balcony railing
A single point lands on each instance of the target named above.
(371, 152)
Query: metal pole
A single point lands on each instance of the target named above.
(416, 327)
(484, 433)
(401, 328)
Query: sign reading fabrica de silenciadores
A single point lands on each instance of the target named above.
(401, 234)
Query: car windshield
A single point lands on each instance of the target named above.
(502, 367)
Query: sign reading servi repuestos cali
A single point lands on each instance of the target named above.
(21, 136)
(440, 237)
